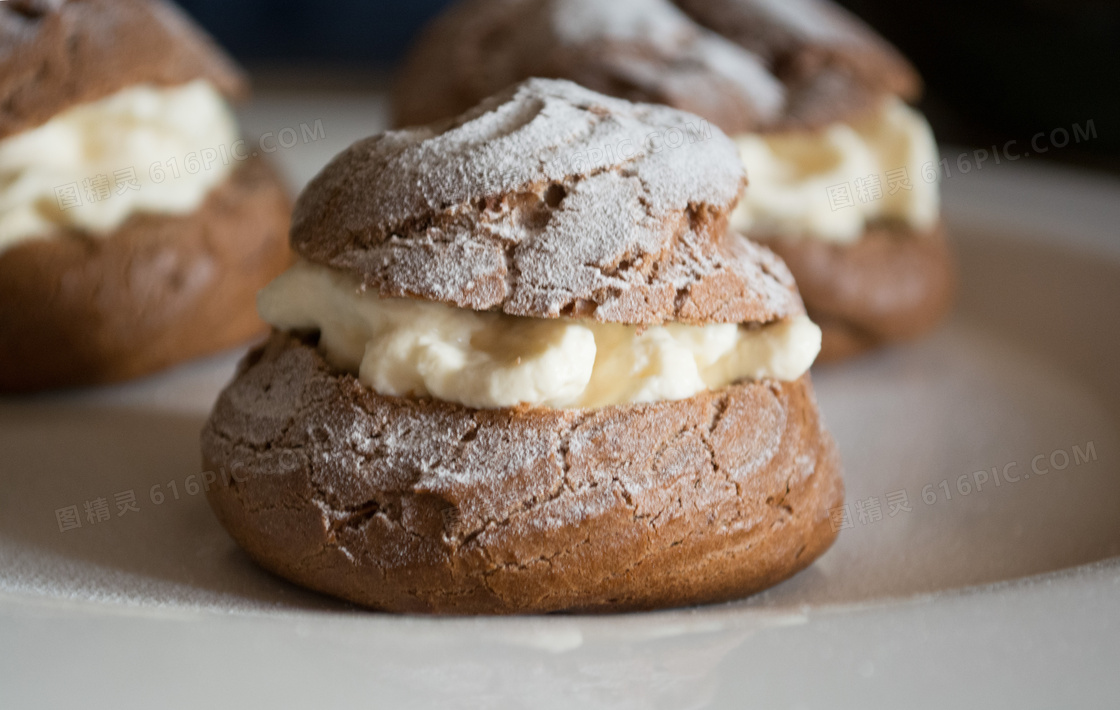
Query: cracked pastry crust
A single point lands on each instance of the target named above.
(410, 505)
(893, 285)
(79, 310)
(56, 54)
(546, 201)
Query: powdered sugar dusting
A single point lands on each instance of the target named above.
(739, 63)
(544, 131)
(545, 198)
(676, 37)
(804, 40)
(746, 70)
(656, 21)
(812, 20)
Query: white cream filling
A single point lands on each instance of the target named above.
(405, 347)
(832, 183)
(91, 167)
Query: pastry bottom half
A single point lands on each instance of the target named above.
(420, 506)
(893, 285)
(81, 310)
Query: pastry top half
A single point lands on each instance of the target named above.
(549, 200)
(56, 54)
(747, 65)
(550, 247)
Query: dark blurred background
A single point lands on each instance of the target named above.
(996, 70)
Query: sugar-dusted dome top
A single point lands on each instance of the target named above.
(547, 200)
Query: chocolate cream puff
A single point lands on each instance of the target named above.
(843, 172)
(524, 365)
(135, 225)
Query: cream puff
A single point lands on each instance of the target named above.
(524, 365)
(135, 224)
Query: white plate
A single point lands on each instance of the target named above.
(981, 595)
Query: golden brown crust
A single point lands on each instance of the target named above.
(745, 65)
(892, 285)
(55, 54)
(421, 506)
(77, 310)
(548, 200)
